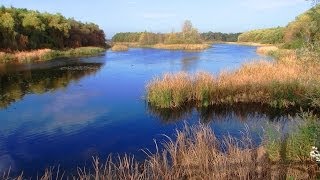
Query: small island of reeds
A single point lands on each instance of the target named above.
(119, 47)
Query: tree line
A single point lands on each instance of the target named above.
(303, 31)
(219, 36)
(265, 36)
(22, 29)
(187, 35)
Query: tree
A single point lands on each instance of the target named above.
(187, 26)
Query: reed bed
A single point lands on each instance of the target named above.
(120, 47)
(282, 84)
(194, 153)
(267, 50)
(189, 47)
(48, 54)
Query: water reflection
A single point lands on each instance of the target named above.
(189, 62)
(15, 84)
(242, 112)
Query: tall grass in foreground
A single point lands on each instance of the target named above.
(196, 153)
(282, 84)
(294, 145)
(48, 54)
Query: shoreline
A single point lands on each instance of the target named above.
(248, 44)
(185, 47)
(48, 54)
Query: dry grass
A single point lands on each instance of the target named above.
(120, 47)
(195, 153)
(172, 89)
(282, 84)
(25, 56)
(245, 43)
(267, 50)
(186, 47)
(47, 54)
(189, 47)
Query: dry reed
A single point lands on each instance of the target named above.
(47, 54)
(282, 84)
(189, 47)
(119, 47)
(195, 153)
(266, 50)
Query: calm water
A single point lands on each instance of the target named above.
(65, 111)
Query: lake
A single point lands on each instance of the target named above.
(65, 111)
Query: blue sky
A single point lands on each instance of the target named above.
(167, 15)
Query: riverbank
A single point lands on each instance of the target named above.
(48, 54)
(186, 47)
(196, 153)
(246, 43)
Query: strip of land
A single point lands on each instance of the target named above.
(48, 54)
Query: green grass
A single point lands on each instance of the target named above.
(296, 144)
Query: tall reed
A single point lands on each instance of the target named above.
(282, 84)
(194, 153)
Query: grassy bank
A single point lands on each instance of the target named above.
(196, 153)
(282, 84)
(245, 43)
(48, 54)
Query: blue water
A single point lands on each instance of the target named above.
(65, 111)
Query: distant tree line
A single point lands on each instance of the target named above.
(22, 29)
(218, 36)
(188, 35)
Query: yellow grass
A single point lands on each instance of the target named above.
(266, 50)
(47, 54)
(190, 47)
(187, 47)
(120, 47)
(245, 43)
(285, 83)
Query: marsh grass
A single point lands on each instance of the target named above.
(48, 54)
(282, 84)
(194, 153)
(267, 50)
(120, 47)
(186, 47)
(293, 144)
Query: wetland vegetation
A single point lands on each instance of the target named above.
(287, 87)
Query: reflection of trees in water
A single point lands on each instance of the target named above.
(15, 85)
(243, 112)
(189, 62)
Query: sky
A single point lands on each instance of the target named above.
(168, 15)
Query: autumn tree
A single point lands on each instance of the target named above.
(22, 29)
